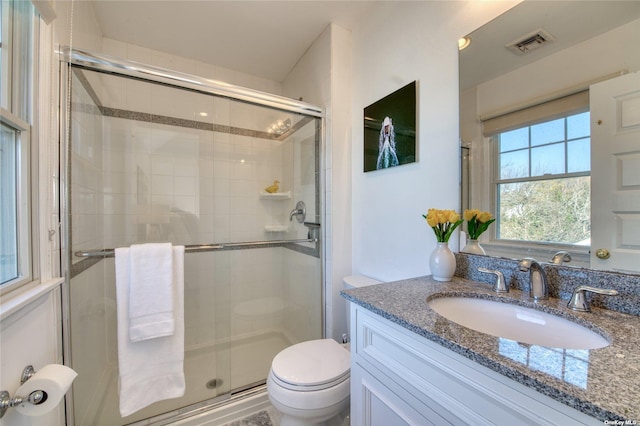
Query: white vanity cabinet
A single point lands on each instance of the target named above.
(401, 378)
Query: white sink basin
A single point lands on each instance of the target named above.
(510, 321)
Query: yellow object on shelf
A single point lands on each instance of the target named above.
(273, 188)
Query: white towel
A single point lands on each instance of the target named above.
(150, 370)
(150, 291)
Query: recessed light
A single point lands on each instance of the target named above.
(203, 114)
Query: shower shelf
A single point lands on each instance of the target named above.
(276, 195)
(276, 228)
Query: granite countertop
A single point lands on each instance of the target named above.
(603, 383)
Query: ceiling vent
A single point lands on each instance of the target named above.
(530, 42)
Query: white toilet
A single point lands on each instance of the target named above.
(309, 382)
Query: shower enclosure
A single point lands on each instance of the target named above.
(157, 156)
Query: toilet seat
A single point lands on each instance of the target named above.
(311, 366)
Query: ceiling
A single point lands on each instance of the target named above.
(570, 22)
(260, 38)
(266, 38)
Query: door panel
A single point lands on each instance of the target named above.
(615, 173)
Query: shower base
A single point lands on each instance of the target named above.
(250, 360)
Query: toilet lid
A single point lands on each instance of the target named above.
(312, 363)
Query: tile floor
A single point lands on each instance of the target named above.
(271, 417)
(268, 417)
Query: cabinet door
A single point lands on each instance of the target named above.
(377, 404)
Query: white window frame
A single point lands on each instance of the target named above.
(497, 180)
(487, 198)
(6, 51)
(17, 113)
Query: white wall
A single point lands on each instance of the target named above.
(30, 336)
(597, 57)
(397, 44)
(323, 77)
(177, 63)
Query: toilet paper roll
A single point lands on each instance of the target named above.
(54, 380)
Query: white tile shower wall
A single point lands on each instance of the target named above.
(201, 286)
(172, 164)
(162, 185)
(86, 172)
(92, 358)
(88, 288)
(239, 170)
(302, 296)
(256, 290)
(222, 292)
(304, 175)
(237, 175)
(208, 183)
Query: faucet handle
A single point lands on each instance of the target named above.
(500, 285)
(300, 212)
(579, 301)
(561, 257)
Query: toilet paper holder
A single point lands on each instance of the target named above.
(36, 397)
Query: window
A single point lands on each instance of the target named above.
(542, 187)
(8, 203)
(16, 56)
(14, 200)
(16, 65)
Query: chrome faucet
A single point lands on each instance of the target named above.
(561, 257)
(500, 285)
(538, 284)
(294, 212)
(300, 212)
(579, 301)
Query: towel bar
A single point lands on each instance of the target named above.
(206, 247)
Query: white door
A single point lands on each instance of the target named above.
(615, 173)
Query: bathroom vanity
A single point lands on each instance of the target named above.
(411, 365)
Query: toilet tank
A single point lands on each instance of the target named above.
(357, 281)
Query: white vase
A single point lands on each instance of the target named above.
(473, 247)
(442, 263)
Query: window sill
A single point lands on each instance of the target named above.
(542, 252)
(18, 299)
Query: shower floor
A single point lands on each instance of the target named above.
(249, 359)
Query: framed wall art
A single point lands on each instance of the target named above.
(390, 130)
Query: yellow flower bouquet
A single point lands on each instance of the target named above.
(477, 222)
(443, 223)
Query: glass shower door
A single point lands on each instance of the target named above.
(154, 163)
(140, 171)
